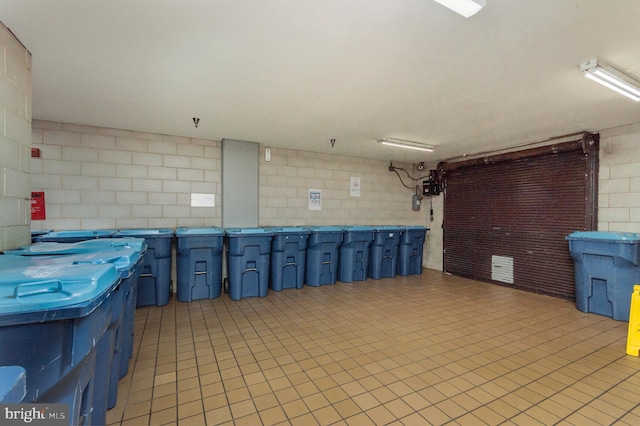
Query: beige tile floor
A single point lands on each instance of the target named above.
(423, 349)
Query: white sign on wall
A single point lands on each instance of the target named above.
(354, 188)
(203, 200)
(315, 199)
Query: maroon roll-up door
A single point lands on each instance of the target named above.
(506, 217)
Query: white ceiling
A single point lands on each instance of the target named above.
(297, 73)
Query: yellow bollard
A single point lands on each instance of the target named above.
(633, 336)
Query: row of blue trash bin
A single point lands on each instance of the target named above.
(263, 258)
(67, 314)
(289, 257)
(67, 302)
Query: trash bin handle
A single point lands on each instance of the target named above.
(35, 288)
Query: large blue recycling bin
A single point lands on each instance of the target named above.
(110, 354)
(128, 263)
(607, 266)
(128, 320)
(13, 384)
(74, 236)
(54, 318)
(410, 250)
(199, 263)
(323, 248)
(288, 257)
(154, 285)
(383, 261)
(248, 259)
(354, 253)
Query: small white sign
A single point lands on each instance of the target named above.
(354, 190)
(203, 200)
(315, 199)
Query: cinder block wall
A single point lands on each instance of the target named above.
(107, 178)
(15, 141)
(102, 178)
(619, 179)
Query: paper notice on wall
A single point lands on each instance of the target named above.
(315, 199)
(354, 188)
(203, 200)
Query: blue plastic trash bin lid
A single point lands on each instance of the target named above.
(13, 386)
(11, 262)
(124, 259)
(325, 234)
(52, 248)
(76, 235)
(198, 232)
(146, 233)
(389, 228)
(357, 234)
(617, 237)
(244, 232)
(39, 293)
(319, 229)
(138, 244)
(290, 230)
(358, 228)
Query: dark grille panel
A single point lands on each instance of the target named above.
(521, 209)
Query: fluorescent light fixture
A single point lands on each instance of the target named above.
(466, 8)
(611, 77)
(406, 144)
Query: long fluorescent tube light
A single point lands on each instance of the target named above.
(466, 8)
(406, 144)
(611, 77)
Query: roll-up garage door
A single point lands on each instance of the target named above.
(506, 216)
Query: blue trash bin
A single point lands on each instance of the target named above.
(128, 263)
(323, 249)
(116, 343)
(154, 285)
(410, 250)
(607, 266)
(13, 385)
(354, 253)
(199, 263)
(74, 236)
(248, 261)
(383, 261)
(54, 318)
(288, 257)
(124, 339)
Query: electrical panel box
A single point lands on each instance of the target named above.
(431, 186)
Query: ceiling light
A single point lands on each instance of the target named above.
(406, 144)
(614, 79)
(465, 8)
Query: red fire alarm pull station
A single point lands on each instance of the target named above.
(37, 206)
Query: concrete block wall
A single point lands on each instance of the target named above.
(285, 182)
(15, 141)
(101, 178)
(619, 179)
